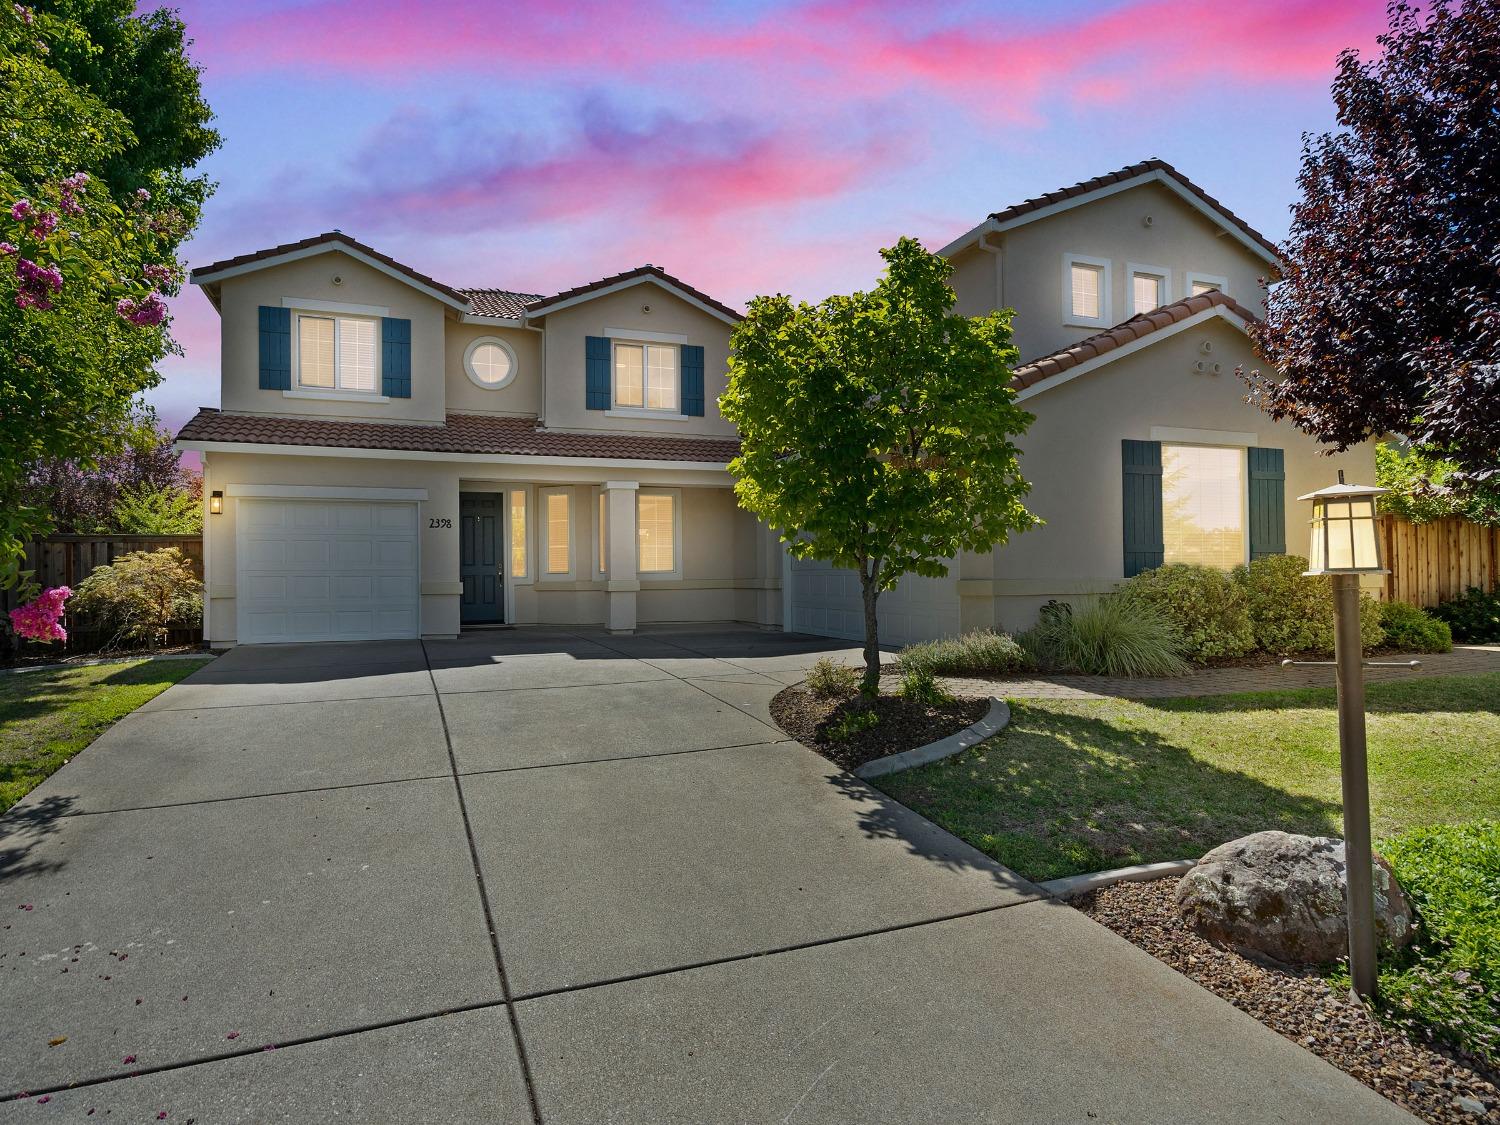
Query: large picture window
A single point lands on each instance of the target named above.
(336, 353)
(1203, 505)
(646, 377)
(657, 529)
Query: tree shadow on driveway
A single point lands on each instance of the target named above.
(25, 828)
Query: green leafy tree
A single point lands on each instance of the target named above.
(876, 429)
(1420, 489)
(158, 510)
(86, 262)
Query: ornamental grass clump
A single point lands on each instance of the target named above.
(1110, 636)
(827, 680)
(1209, 610)
(981, 652)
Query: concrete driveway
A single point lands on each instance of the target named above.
(562, 877)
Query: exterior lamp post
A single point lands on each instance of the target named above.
(1346, 544)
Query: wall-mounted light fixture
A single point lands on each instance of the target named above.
(216, 503)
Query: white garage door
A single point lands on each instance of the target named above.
(825, 601)
(326, 570)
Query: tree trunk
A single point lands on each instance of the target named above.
(868, 574)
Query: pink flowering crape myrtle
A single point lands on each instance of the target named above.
(41, 620)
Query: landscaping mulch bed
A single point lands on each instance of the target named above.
(1424, 1079)
(902, 723)
(38, 655)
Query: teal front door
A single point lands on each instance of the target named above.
(479, 515)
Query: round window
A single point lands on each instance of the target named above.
(490, 363)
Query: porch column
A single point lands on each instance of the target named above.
(621, 584)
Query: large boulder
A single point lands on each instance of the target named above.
(1279, 896)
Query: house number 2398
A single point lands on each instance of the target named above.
(439, 523)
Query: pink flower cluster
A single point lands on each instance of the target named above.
(38, 284)
(149, 311)
(41, 620)
(71, 189)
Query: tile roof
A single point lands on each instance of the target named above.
(1142, 324)
(639, 271)
(316, 240)
(499, 302)
(460, 433)
(1130, 172)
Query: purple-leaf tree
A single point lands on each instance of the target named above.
(1388, 320)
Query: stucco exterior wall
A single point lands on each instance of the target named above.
(521, 396)
(1180, 240)
(567, 329)
(1072, 457)
(313, 279)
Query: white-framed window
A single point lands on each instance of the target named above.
(337, 353)
(1086, 291)
(556, 532)
(658, 522)
(1204, 501)
(490, 362)
(646, 377)
(601, 533)
(1150, 287)
(1199, 283)
(519, 546)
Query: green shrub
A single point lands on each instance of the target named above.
(919, 685)
(1291, 612)
(1448, 980)
(828, 680)
(1209, 610)
(137, 598)
(982, 652)
(151, 510)
(1110, 636)
(1473, 616)
(847, 725)
(1412, 629)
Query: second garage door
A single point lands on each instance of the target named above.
(326, 570)
(825, 600)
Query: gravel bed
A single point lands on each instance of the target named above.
(1423, 1079)
(903, 725)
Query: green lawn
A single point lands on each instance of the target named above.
(1075, 786)
(47, 717)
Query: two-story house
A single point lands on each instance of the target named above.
(395, 458)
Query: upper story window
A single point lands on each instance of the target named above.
(1200, 283)
(1086, 291)
(490, 363)
(646, 377)
(336, 353)
(1148, 288)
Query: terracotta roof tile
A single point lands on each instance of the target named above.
(640, 271)
(1101, 343)
(499, 302)
(1130, 171)
(460, 433)
(317, 239)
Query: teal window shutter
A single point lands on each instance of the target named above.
(395, 357)
(1267, 503)
(596, 372)
(692, 380)
(1144, 548)
(275, 348)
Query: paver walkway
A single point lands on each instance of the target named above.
(546, 877)
(1464, 660)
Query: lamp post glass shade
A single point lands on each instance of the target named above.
(1345, 539)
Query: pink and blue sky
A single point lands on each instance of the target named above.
(772, 145)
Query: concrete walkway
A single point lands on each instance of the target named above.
(554, 877)
(1464, 660)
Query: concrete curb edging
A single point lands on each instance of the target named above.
(993, 722)
(1075, 885)
(107, 660)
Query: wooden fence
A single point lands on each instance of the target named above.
(1432, 562)
(66, 560)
